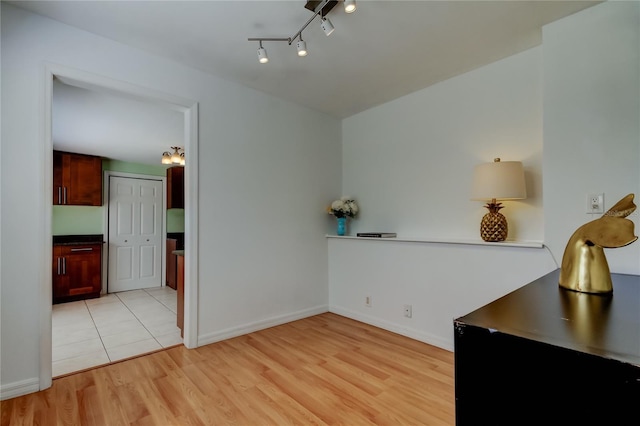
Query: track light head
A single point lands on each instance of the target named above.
(262, 55)
(349, 6)
(302, 47)
(326, 26)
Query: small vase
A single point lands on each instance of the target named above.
(342, 225)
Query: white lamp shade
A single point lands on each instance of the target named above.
(502, 180)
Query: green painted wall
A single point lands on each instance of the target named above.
(77, 220)
(175, 220)
(141, 169)
(82, 220)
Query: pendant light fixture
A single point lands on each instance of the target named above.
(176, 158)
(319, 8)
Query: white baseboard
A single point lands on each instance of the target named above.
(259, 325)
(20, 388)
(395, 328)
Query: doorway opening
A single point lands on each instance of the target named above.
(189, 110)
(136, 313)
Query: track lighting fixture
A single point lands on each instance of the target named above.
(349, 6)
(302, 47)
(319, 8)
(262, 54)
(326, 26)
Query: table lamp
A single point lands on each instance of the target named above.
(500, 180)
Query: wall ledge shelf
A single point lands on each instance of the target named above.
(508, 243)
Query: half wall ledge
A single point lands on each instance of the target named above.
(426, 240)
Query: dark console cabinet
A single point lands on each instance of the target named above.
(543, 355)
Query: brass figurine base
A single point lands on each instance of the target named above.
(584, 265)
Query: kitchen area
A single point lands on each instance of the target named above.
(104, 313)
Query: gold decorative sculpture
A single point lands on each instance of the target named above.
(584, 265)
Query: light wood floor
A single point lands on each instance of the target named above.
(323, 370)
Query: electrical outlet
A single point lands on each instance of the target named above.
(407, 311)
(367, 301)
(595, 203)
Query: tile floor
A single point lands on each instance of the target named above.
(94, 332)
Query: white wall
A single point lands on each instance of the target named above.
(440, 281)
(592, 121)
(267, 168)
(409, 164)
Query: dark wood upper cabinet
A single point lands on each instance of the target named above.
(175, 187)
(77, 179)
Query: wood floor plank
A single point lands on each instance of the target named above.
(322, 370)
(356, 377)
(354, 400)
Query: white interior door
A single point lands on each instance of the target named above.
(135, 234)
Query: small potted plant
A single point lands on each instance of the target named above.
(342, 209)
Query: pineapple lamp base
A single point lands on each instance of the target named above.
(494, 227)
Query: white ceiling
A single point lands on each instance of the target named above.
(385, 50)
(106, 125)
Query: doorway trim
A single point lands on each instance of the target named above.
(189, 108)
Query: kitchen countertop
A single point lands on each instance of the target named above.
(69, 240)
(178, 252)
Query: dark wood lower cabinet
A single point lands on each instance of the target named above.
(180, 295)
(77, 272)
(172, 263)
